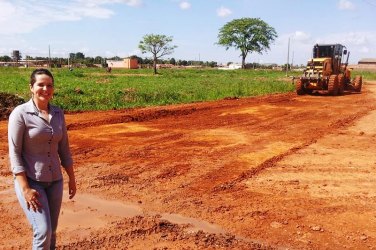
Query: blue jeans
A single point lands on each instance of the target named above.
(44, 220)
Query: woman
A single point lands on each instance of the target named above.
(38, 147)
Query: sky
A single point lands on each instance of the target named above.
(110, 28)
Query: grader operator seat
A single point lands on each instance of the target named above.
(334, 53)
(322, 51)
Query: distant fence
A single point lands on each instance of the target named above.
(25, 63)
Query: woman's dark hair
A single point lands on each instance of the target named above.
(40, 71)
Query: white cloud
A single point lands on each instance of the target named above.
(360, 44)
(345, 5)
(7, 11)
(77, 12)
(185, 5)
(350, 38)
(33, 14)
(132, 3)
(301, 36)
(297, 37)
(223, 12)
(364, 50)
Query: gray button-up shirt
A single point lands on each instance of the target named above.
(37, 147)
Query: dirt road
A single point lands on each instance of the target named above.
(275, 172)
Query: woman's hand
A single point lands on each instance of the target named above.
(72, 188)
(31, 198)
(72, 182)
(31, 195)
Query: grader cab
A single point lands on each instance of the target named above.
(328, 71)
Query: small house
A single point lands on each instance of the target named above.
(126, 63)
(368, 61)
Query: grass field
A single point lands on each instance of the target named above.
(95, 89)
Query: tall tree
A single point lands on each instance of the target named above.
(172, 61)
(98, 60)
(79, 55)
(247, 35)
(158, 46)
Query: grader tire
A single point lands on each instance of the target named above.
(358, 82)
(341, 84)
(299, 87)
(333, 85)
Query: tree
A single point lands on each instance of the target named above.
(115, 58)
(212, 64)
(182, 63)
(5, 59)
(80, 55)
(158, 46)
(248, 35)
(98, 60)
(172, 61)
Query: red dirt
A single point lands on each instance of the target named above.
(7, 103)
(275, 172)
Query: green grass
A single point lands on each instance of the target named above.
(94, 89)
(371, 76)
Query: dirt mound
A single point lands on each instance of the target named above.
(7, 103)
(152, 232)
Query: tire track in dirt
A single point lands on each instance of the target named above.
(271, 162)
(326, 190)
(99, 118)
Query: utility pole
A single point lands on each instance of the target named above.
(49, 57)
(292, 59)
(288, 56)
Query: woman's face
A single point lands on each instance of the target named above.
(43, 88)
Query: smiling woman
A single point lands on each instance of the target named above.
(38, 147)
(42, 89)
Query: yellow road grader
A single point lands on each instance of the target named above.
(328, 71)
